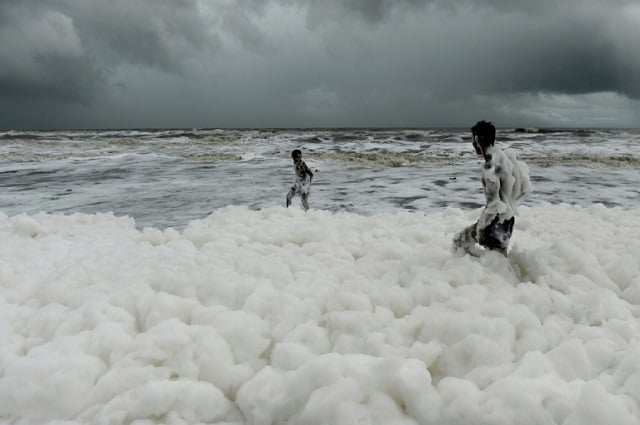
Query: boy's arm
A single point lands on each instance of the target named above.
(308, 171)
(491, 184)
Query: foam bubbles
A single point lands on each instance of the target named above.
(281, 316)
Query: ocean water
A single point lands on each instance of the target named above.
(155, 278)
(166, 178)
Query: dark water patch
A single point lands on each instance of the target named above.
(460, 189)
(415, 137)
(212, 157)
(406, 138)
(470, 205)
(444, 137)
(22, 157)
(19, 135)
(395, 181)
(441, 183)
(310, 139)
(533, 130)
(124, 143)
(219, 140)
(539, 179)
(28, 174)
(112, 173)
(344, 207)
(10, 172)
(606, 203)
(349, 137)
(604, 183)
(202, 168)
(403, 201)
(64, 193)
(416, 152)
(95, 204)
(190, 134)
(584, 132)
(27, 187)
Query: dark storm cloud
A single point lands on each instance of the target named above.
(376, 11)
(545, 56)
(62, 49)
(517, 45)
(41, 56)
(305, 62)
(155, 33)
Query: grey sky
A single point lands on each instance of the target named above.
(309, 63)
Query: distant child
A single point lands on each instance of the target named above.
(301, 186)
(505, 180)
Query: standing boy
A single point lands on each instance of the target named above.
(301, 186)
(505, 180)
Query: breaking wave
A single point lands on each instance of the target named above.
(386, 159)
(585, 160)
(402, 159)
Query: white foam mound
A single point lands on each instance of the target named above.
(278, 316)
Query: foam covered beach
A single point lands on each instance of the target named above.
(277, 316)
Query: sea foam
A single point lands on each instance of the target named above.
(280, 316)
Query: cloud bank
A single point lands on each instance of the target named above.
(143, 63)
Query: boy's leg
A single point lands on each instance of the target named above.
(304, 194)
(290, 196)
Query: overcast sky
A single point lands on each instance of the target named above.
(319, 63)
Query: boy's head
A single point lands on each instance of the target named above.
(296, 154)
(484, 135)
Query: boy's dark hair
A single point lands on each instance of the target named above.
(485, 131)
(296, 153)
